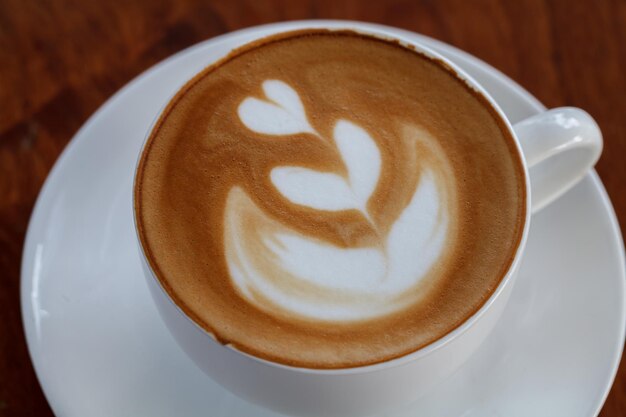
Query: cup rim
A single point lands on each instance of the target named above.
(385, 34)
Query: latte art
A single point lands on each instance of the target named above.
(327, 199)
(284, 271)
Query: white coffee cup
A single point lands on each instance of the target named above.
(558, 147)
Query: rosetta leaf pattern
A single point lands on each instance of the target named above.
(318, 190)
(284, 114)
(361, 156)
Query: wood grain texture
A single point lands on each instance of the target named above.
(61, 59)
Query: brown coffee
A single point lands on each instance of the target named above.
(327, 199)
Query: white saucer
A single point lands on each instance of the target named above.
(100, 348)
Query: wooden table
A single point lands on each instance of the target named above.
(61, 59)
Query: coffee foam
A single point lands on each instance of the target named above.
(288, 273)
(329, 209)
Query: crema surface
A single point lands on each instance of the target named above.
(327, 199)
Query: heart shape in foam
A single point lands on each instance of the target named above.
(283, 115)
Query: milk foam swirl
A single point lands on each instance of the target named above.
(287, 273)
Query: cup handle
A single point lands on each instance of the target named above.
(560, 146)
